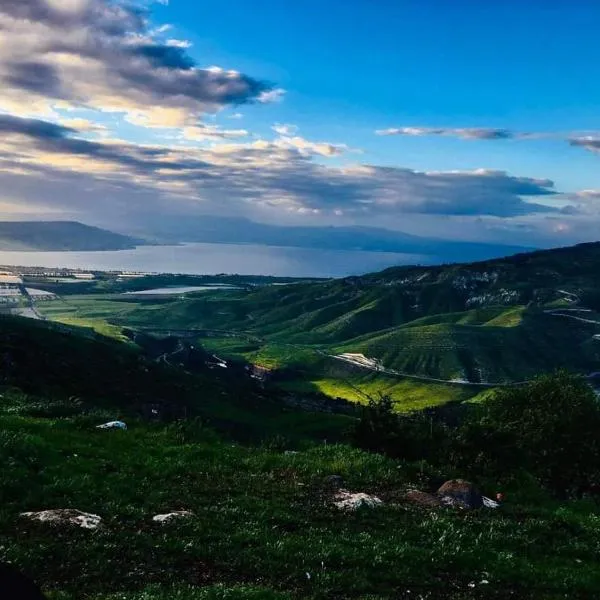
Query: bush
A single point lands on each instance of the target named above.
(410, 437)
(549, 427)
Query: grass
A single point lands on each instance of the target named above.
(100, 326)
(407, 394)
(262, 523)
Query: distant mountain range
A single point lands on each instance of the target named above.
(233, 230)
(49, 236)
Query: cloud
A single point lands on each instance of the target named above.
(284, 129)
(271, 96)
(468, 133)
(102, 54)
(308, 148)
(278, 176)
(203, 132)
(588, 142)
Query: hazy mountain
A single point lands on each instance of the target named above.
(60, 235)
(231, 230)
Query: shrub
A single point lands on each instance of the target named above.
(549, 427)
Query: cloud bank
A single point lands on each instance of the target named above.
(104, 55)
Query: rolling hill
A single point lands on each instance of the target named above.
(494, 321)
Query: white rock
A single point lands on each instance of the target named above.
(112, 425)
(348, 501)
(65, 516)
(489, 503)
(178, 514)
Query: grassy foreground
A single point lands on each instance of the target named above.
(264, 526)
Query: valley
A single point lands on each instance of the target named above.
(449, 331)
(243, 398)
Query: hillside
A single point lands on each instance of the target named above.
(255, 479)
(494, 321)
(78, 371)
(53, 236)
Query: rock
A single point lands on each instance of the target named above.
(423, 499)
(461, 494)
(112, 425)
(348, 501)
(489, 503)
(172, 516)
(334, 481)
(17, 585)
(65, 516)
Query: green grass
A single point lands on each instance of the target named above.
(407, 394)
(262, 522)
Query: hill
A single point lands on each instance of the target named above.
(262, 523)
(78, 371)
(47, 236)
(494, 321)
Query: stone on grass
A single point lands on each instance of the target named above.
(460, 494)
(489, 503)
(345, 500)
(65, 516)
(112, 425)
(172, 516)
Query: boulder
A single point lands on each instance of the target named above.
(112, 425)
(489, 503)
(345, 500)
(461, 494)
(423, 499)
(172, 516)
(65, 516)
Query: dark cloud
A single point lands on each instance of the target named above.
(34, 128)
(590, 143)
(103, 54)
(469, 133)
(282, 177)
(36, 77)
(107, 16)
(160, 55)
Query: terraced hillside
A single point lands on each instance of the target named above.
(493, 321)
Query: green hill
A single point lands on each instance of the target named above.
(481, 322)
(254, 477)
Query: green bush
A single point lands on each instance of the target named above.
(549, 427)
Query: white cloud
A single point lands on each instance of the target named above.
(102, 54)
(271, 96)
(284, 129)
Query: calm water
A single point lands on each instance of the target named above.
(166, 291)
(208, 259)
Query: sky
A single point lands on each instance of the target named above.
(456, 120)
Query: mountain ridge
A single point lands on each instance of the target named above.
(52, 236)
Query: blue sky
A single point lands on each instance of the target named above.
(352, 67)
(374, 96)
